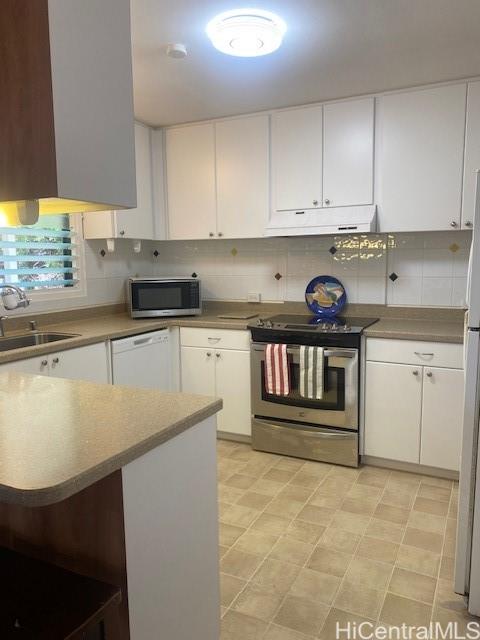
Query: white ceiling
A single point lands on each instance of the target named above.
(332, 49)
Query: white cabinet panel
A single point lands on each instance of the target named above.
(138, 223)
(85, 363)
(435, 354)
(232, 374)
(135, 223)
(242, 159)
(420, 159)
(39, 366)
(393, 401)
(190, 154)
(198, 371)
(213, 338)
(472, 153)
(158, 184)
(442, 418)
(297, 158)
(223, 373)
(348, 153)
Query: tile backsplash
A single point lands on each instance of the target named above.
(421, 269)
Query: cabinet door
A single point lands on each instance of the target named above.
(348, 153)
(393, 401)
(138, 223)
(85, 363)
(233, 386)
(39, 366)
(297, 159)
(472, 154)
(420, 159)
(190, 153)
(442, 418)
(198, 370)
(242, 177)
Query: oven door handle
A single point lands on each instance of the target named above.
(328, 353)
(341, 353)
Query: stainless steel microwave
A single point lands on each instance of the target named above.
(154, 297)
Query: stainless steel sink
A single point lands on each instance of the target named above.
(32, 340)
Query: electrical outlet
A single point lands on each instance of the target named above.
(254, 297)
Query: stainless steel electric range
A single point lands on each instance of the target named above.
(327, 429)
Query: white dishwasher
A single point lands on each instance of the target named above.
(143, 360)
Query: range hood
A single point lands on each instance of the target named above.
(327, 221)
(66, 108)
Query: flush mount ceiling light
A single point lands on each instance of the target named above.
(246, 33)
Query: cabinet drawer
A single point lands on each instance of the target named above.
(220, 338)
(435, 354)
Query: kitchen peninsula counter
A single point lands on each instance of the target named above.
(114, 482)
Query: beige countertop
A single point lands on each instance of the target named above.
(120, 325)
(59, 436)
(410, 329)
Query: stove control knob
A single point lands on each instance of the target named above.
(346, 327)
(260, 322)
(268, 324)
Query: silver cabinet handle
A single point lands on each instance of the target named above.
(220, 234)
(56, 360)
(423, 353)
(44, 363)
(315, 203)
(468, 224)
(327, 201)
(217, 355)
(214, 340)
(453, 224)
(122, 232)
(211, 234)
(208, 354)
(429, 374)
(415, 373)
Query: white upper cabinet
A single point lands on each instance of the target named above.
(322, 156)
(190, 153)
(135, 223)
(297, 158)
(138, 223)
(420, 159)
(242, 157)
(348, 153)
(472, 154)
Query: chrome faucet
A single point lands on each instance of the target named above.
(9, 291)
(12, 298)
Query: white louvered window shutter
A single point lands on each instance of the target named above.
(39, 257)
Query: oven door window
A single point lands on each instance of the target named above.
(333, 389)
(158, 296)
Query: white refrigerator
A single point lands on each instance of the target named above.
(467, 562)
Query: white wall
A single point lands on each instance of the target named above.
(431, 267)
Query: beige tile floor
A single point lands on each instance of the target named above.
(304, 545)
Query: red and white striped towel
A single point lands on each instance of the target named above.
(277, 374)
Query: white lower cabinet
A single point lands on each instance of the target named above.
(442, 417)
(84, 363)
(224, 373)
(414, 413)
(393, 409)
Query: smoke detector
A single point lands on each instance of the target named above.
(176, 50)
